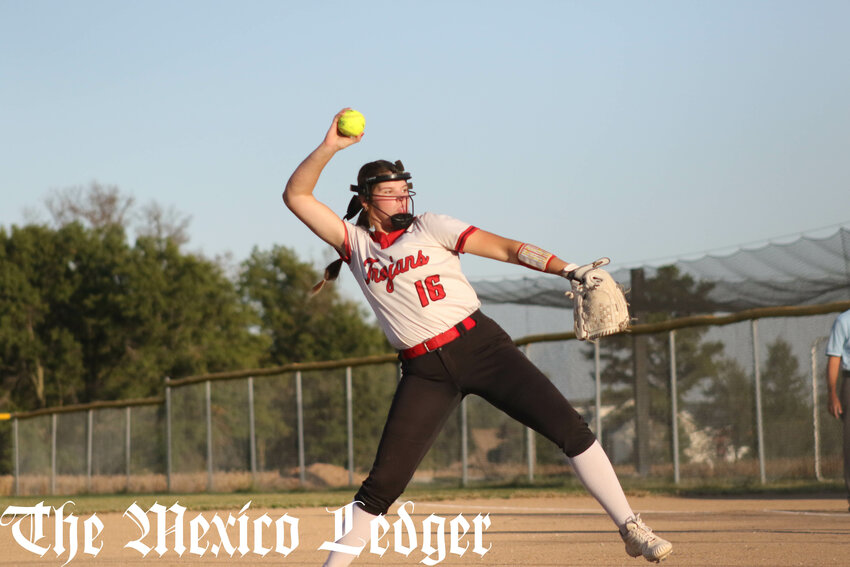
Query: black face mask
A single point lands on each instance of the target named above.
(401, 221)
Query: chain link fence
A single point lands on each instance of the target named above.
(740, 397)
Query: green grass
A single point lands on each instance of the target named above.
(543, 488)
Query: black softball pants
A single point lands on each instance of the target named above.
(483, 361)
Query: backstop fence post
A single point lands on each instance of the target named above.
(208, 403)
(252, 431)
(168, 461)
(128, 441)
(597, 374)
(349, 423)
(674, 407)
(17, 457)
(53, 426)
(757, 386)
(816, 409)
(299, 412)
(89, 443)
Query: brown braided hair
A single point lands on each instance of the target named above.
(364, 190)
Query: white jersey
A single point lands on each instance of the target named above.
(413, 281)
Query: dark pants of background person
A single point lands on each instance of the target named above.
(482, 361)
(845, 406)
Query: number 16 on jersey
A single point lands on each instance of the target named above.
(429, 290)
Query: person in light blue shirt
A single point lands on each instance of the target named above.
(838, 364)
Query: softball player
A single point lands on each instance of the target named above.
(409, 270)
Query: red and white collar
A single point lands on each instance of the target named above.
(386, 239)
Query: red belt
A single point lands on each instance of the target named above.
(442, 339)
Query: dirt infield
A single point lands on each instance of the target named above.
(567, 530)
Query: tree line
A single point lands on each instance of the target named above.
(88, 315)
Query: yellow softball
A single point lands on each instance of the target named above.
(351, 123)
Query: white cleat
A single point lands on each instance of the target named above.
(640, 540)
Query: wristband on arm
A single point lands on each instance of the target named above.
(534, 257)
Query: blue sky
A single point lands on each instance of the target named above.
(638, 130)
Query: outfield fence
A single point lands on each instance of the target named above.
(740, 396)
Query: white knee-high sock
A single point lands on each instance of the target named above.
(595, 472)
(358, 536)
